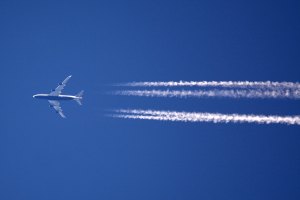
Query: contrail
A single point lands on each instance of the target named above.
(205, 117)
(284, 93)
(228, 84)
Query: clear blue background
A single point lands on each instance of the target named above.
(90, 156)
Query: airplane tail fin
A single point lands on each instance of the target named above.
(79, 97)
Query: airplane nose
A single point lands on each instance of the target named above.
(33, 96)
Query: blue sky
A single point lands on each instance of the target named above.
(90, 156)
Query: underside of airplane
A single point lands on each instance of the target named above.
(55, 96)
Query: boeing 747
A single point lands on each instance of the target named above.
(55, 96)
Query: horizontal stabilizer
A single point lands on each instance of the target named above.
(79, 97)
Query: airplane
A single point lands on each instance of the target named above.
(55, 96)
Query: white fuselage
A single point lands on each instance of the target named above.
(55, 98)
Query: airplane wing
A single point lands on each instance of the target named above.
(57, 108)
(60, 87)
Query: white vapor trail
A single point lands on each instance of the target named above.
(228, 84)
(205, 117)
(284, 93)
